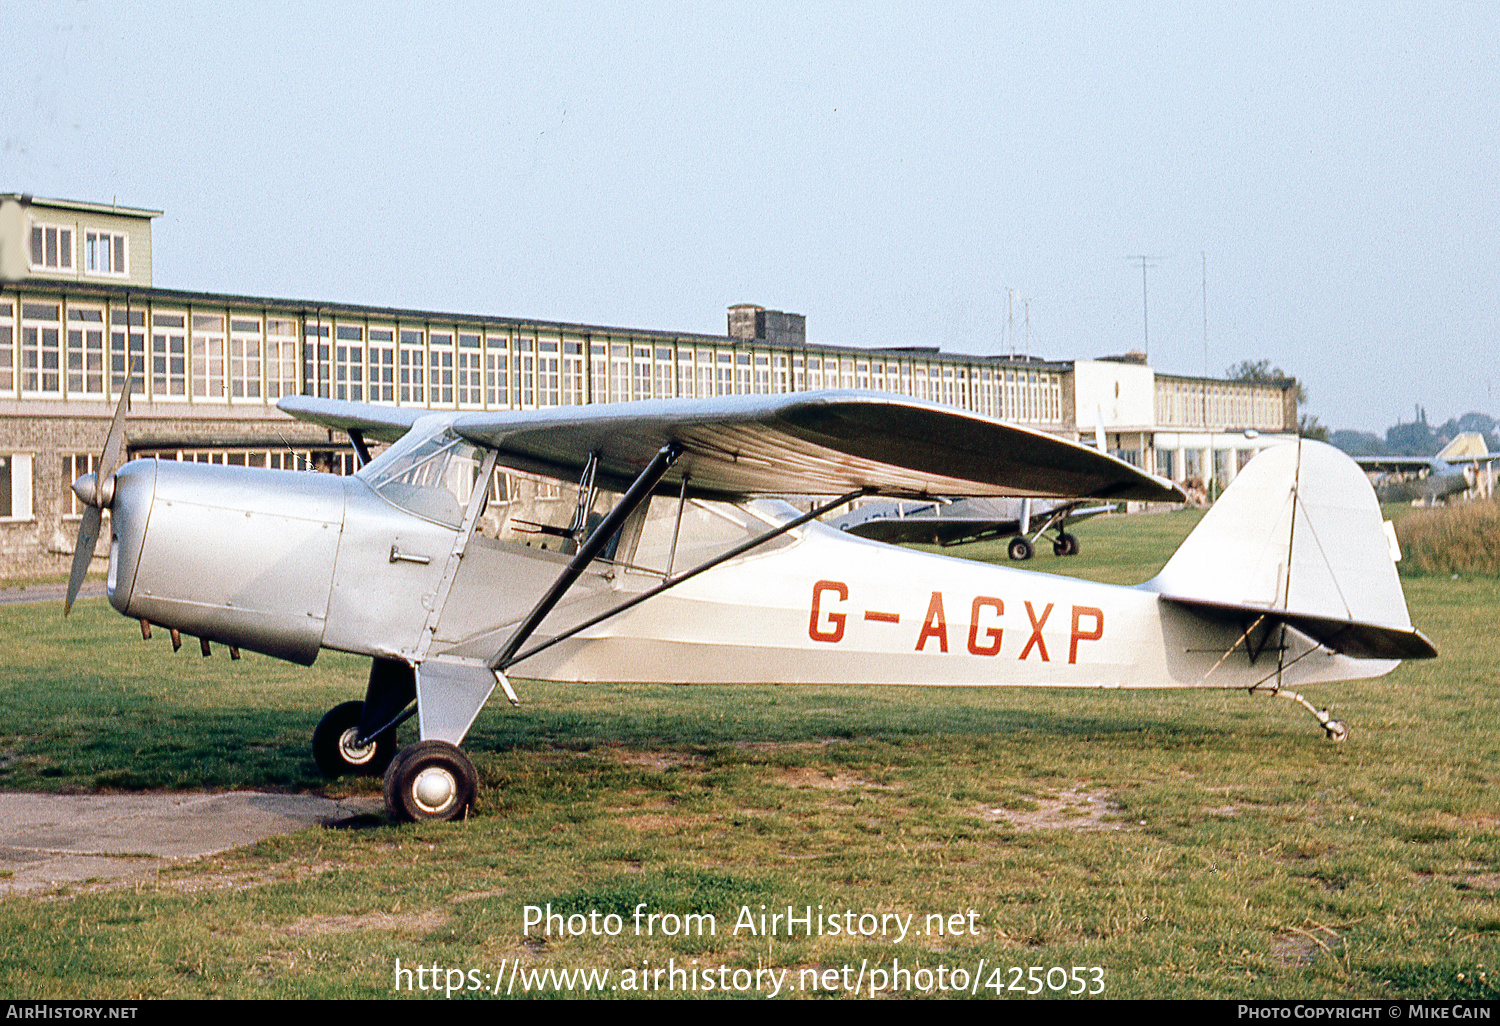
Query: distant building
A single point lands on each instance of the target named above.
(77, 302)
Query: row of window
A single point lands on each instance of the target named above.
(16, 468)
(52, 349)
(1220, 404)
(1194, 464)
(105, 254)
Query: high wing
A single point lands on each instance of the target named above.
(1399, 464)
(813, 443)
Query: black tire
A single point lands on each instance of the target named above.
(332, 745)
(1019, 548)
(1069, 544)
(1059, 548)
(430, 780)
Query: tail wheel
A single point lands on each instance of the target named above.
(1337, 730)
(1019, 548)
(430, 780)
(335, 750)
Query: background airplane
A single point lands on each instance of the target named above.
(1464, 464)
(958, 521)
(681, 575)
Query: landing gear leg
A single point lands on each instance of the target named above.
(1337, 730)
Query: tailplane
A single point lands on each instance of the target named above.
(1298, 539)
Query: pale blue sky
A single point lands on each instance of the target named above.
(886, 171)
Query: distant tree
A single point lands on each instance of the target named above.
(1414, 439)
(1359, 443)
(1309, 427)
(1481, 423)
(1262, 371)
(1254, 370)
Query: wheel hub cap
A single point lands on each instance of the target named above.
(352, 755)
(434, 789)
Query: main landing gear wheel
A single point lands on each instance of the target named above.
(1019, 548)
(430, 780)
(334, 748)
(1066, 545)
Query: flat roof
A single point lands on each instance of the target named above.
(332, 311)
(92, 208)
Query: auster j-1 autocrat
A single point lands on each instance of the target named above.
(679, 565)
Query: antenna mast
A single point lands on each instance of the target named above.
(1145, 320)
(1010, 319)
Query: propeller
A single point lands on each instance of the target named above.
(97, 491)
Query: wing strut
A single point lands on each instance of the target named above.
(640, 492)
(672, 582)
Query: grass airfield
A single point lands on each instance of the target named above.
(1191, 845)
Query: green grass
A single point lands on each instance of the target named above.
(705, 799)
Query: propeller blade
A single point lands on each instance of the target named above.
(114, 443)
(83, 553)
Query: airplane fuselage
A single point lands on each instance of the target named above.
(289, 563)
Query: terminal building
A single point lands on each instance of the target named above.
(78, 304)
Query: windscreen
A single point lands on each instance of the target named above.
(432, 477)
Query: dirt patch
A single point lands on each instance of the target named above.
(828, 780)
(659, 761)
(660, 821)
(228, 880)
(790, 746)
(1299, 947)
(475, 896)
(1480, 882)
(1076, 808)
(405, 922)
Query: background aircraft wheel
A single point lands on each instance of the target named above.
(333, 744)
(430, 780)
(1019, 548)
(1069, 543)
(1337, 730)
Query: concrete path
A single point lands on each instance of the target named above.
(49, 592)
(52, 839)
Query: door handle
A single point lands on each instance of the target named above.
(397, 556)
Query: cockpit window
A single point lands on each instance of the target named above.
(434, 477)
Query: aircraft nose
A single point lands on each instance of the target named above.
(129, 504)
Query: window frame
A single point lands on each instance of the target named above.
(81, 325)
(22, 480)
(40, 324)
(59, 230)
(122, 251)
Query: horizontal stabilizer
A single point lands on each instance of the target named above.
(1346, 637)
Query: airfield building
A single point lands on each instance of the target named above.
(77, 304)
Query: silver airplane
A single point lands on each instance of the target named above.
(1464, 464)
(672, 567)
(961, 521)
